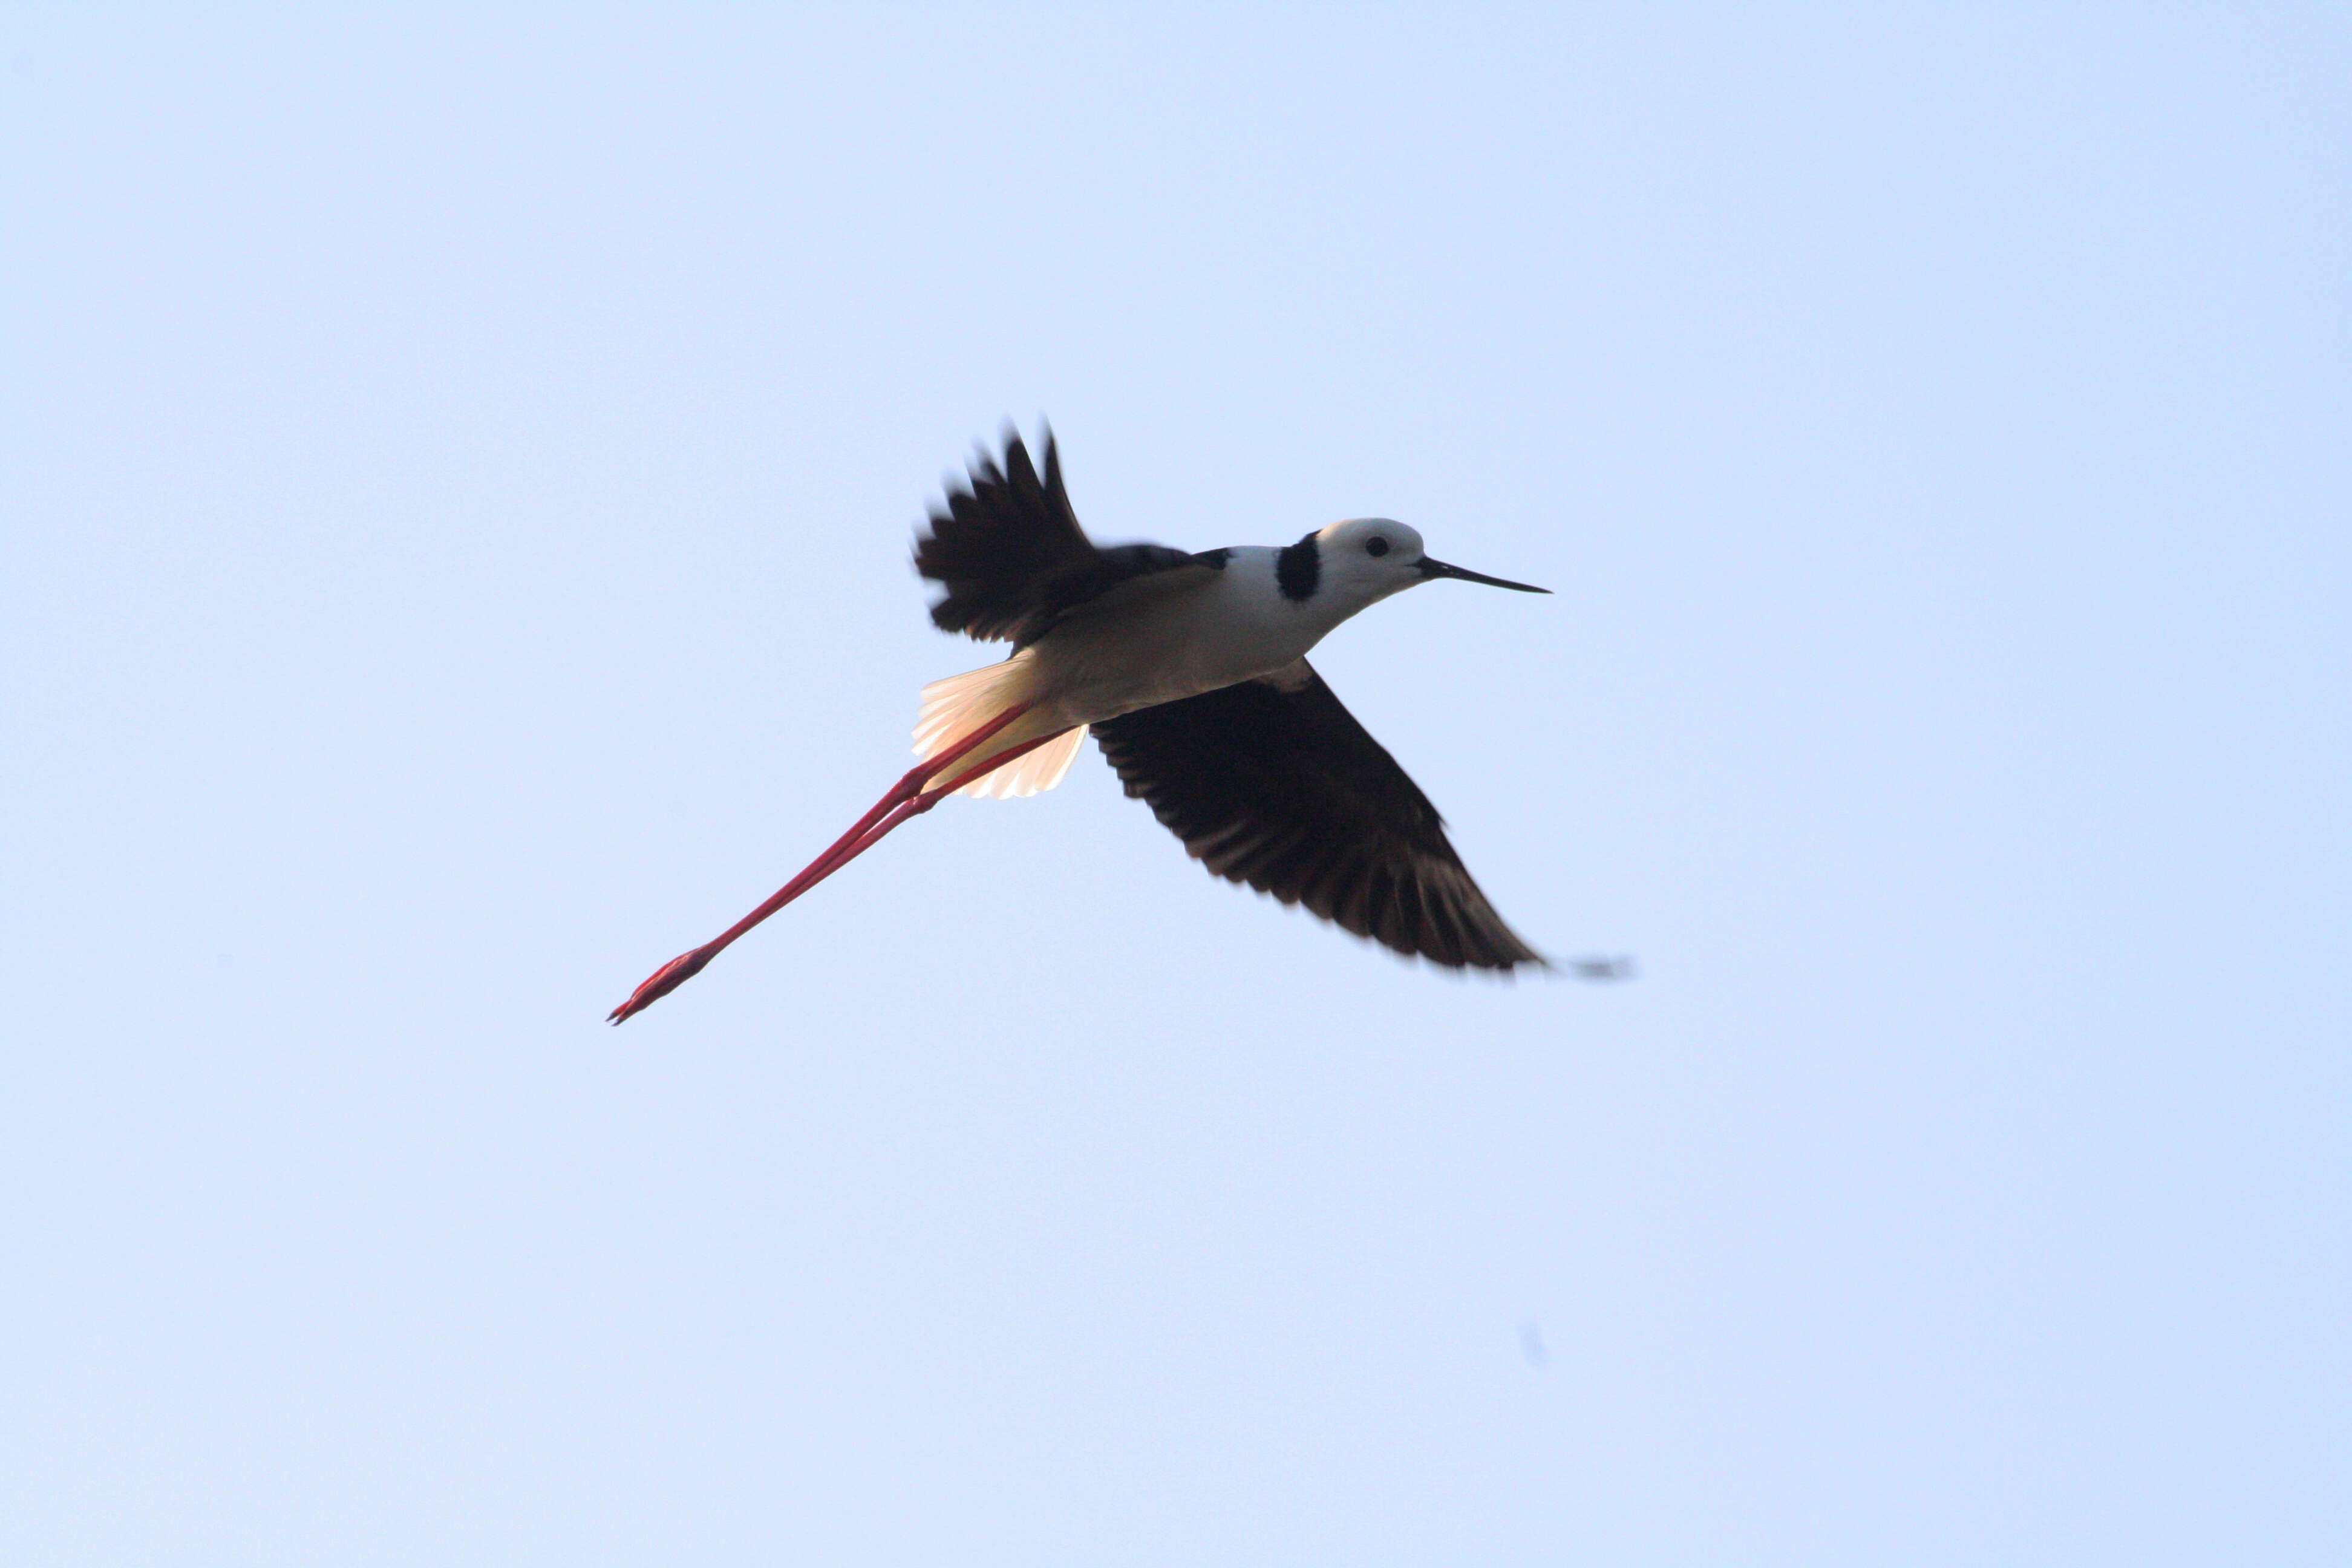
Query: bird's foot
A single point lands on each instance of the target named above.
(661, 983)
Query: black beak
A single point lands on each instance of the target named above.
(1439, 569)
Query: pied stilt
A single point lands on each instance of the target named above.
(1190, 670)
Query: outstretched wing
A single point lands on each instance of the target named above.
(1014, 560)
(1273, 782)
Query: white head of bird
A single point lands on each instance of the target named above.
(1360, 561)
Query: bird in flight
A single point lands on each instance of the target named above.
(1191, 671)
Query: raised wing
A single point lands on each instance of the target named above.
(1273, 782)
(1012, 558)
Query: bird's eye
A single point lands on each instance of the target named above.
(1376, 545)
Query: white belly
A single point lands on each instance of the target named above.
(1137, 647)
(1230, 629)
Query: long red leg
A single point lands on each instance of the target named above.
(906, 798)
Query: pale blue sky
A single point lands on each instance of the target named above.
(456, 477)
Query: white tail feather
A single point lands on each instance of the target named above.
(1040, 770)
(955, 707)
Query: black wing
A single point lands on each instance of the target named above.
(1273, 782)
(1012, 557)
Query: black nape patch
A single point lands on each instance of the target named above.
(1299, 567)
(1215, 558)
